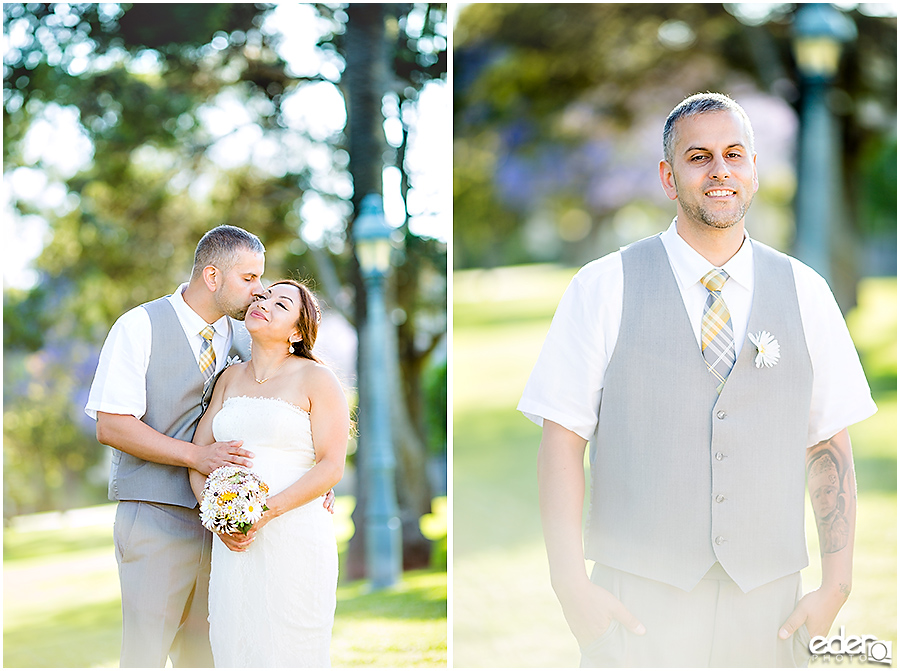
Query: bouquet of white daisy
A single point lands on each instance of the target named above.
(233, 499)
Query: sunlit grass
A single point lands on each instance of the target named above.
(61, 605)
(405, 626)
(505, 613)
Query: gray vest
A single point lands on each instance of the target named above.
(176, 397)
(680, 476)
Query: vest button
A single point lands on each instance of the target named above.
(719, 456)
(720, 498)
(720, 414)
(720, 540)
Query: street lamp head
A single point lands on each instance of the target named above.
(819, 32)
(372, 237)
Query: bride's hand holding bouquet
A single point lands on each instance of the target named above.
(232, 502)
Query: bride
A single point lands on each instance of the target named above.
(272, 591)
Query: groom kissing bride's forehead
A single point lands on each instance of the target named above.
(228, 266)
(147, 396)
(155, 377)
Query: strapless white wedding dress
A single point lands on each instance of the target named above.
(273, 606)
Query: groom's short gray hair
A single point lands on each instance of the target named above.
(700, 103)
(220, 247)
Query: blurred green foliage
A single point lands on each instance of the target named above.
(120, 209)
(873, 325)
(559, 110)
(436, 407)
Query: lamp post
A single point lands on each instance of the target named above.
(819, 31)
(371, 236)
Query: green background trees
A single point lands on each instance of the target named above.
(558, 114)
(131, 129)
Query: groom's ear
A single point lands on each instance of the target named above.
(211, 277)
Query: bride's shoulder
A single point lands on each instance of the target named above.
(316, 371)
(232, 370)
(320, 377)
(229, 375)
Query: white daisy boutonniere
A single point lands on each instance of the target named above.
(768, 351)
(230, 361)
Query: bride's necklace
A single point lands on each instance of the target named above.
(265, 379)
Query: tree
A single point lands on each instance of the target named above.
(368, 53)
(191, 115)
(559, 108)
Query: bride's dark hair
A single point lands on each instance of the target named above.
(308, 324)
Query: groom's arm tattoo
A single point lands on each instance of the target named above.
(831, 486)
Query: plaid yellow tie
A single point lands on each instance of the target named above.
(716, 332)
(207, 353)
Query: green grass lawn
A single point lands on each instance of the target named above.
(504, 612)
(61, 605)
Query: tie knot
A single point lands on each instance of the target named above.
(207, 332)
(714, 280)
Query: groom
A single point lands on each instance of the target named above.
(657, 356)
(153, 381)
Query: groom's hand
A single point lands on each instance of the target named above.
(227, 453)
(818, 610)
(328, 503)
(590, 610)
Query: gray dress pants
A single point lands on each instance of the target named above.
(163, 554)
(713, 625)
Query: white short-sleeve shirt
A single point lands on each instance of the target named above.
(566, 383)
(119, 385)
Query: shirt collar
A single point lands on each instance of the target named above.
(193, 322)
(690, 266)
